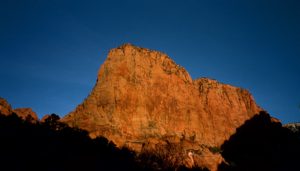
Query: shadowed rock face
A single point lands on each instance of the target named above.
(142, 94)
(261, 144)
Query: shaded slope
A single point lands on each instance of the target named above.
(261, 144)
(53, 146)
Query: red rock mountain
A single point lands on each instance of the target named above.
(142, 96)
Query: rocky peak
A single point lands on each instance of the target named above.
(141, 62)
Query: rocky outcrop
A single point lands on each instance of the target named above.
(24, 113)
(141, 94)
(294, 127)
(45, 117)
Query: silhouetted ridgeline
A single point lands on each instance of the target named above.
(261, 144)
(53, 146)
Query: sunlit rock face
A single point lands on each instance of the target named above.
(142, 94)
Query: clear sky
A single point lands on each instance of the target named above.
(51, 50)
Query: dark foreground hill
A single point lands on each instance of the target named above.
(259, 144)
(53, 146)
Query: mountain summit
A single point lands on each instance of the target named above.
(142, 96)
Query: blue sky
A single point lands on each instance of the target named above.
(50, 51)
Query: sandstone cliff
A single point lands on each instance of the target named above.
(142, 95)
